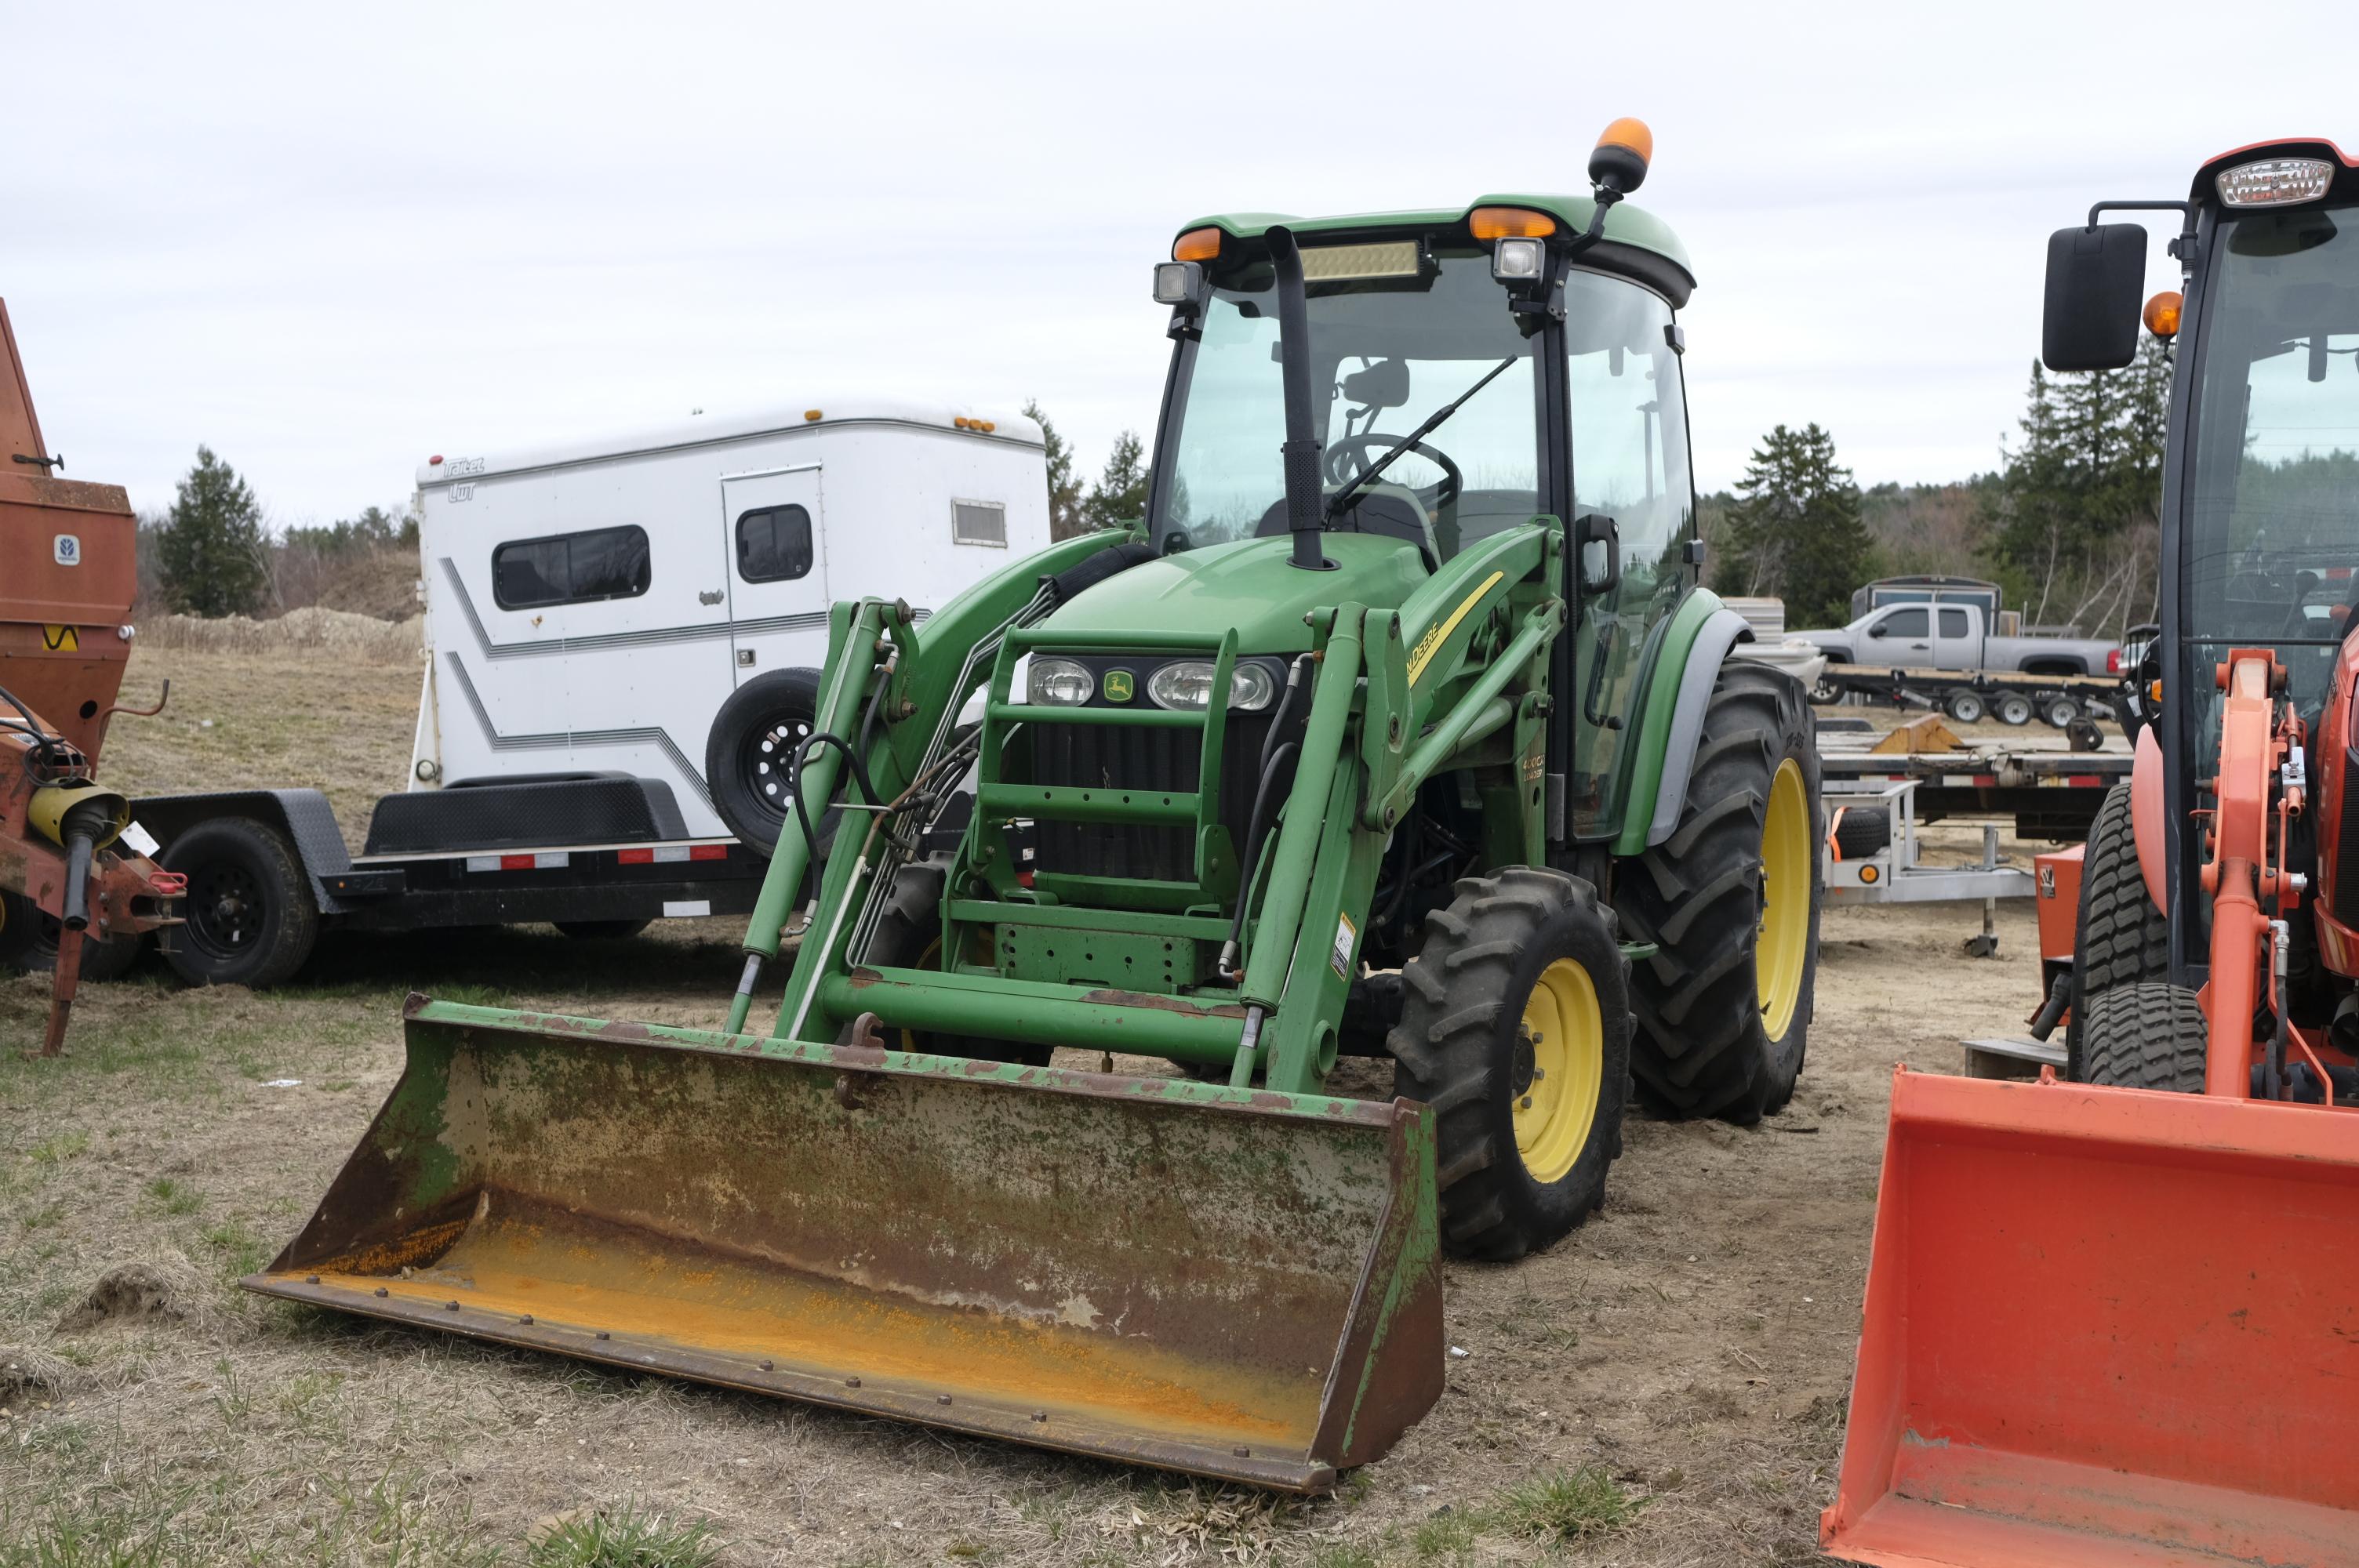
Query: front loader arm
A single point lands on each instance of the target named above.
(925, 688)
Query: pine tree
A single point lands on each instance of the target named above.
(1120, 493)
(1795, 529)
(214, 559)
(1064, 489)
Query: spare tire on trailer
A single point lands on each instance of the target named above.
(1859, 831)
(1731, 900)
(749, 755)
(248, 917)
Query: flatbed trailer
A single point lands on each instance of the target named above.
(2011, 696)
(2049, 795)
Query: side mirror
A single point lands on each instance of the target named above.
(2095, 279)
(1597, 540)
(1879, 629)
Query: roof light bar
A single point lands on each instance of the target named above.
(2276, 181)
(1337, 263)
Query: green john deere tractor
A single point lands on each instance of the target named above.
(1399, 729)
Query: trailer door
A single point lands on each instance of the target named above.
(777, 571)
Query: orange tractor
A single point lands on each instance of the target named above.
(68, 885)
(2115, 1321)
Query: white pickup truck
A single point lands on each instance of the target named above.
(1958, 637)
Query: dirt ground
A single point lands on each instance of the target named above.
(1684, 1358)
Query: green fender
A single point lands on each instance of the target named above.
(1678, 691)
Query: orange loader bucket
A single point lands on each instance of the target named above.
(2105, 1327)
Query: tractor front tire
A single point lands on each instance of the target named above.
(1731, 900)
(2148, 1035)
(1515, 1029)
(2119, 937)
(908, 936)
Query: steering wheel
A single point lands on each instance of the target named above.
(1351, 455)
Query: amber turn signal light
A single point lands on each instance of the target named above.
(1509, 223)
(1197, 245)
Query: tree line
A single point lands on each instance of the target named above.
(2069, 526)
(213, 553)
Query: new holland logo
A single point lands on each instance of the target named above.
(1119, 686)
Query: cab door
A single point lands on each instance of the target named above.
(1631, 481)
(772, 531)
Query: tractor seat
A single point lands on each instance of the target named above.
(1392, 511)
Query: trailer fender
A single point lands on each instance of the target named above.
(302, 816)
(2147, 814)
(1673, 721)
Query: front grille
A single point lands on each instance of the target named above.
(1114, 756)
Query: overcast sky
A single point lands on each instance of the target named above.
(331, 240)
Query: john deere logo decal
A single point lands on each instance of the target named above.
(1117, 686)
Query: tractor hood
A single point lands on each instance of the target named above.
(1248, 585)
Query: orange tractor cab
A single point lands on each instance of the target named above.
(2115, 1320)
(67, 580)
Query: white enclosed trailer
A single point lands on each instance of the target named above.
(623, 642)
(595, 608)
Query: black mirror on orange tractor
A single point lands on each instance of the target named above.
(2095, 275)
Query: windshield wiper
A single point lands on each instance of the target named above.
(1367, 476)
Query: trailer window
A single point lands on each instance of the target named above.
(570, 569)
(774, 544)
(979, 523)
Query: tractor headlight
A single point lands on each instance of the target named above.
(1516, 260)
(2274, 182)
(1179, 283)
(1061, 683)
(1187, 687)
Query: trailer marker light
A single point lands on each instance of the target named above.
(1197, 245)
(708, 852)
(2274, 182)
(434, 461)
(1868, 873)
(810, 416)
(1509, 223)
(634, 857)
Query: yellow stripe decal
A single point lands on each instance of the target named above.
(1430, 643)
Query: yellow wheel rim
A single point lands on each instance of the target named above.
(1565, 1033)
(1782, 949)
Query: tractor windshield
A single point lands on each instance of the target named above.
(2272, 517)
(1387, 352)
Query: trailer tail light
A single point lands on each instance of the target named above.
(548, 860)
(669, 854)
(2113, 661)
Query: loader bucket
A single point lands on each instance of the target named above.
(2106, 1327)
(1236, 1284)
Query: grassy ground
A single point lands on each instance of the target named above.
(1664, 1389)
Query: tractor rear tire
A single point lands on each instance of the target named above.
(1523, 972)
(2119, 937)
(1723, 1025)
(908, 936)
(2148, 1035)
